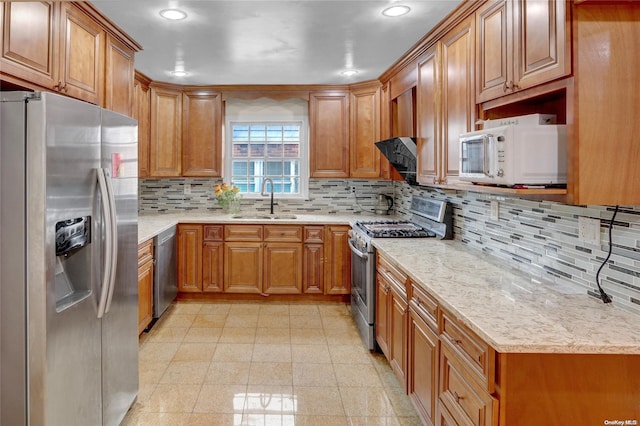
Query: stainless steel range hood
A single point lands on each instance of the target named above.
(401, 153)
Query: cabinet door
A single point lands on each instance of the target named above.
(243, 267)
(212, 267)
(398, 336)
(338, 260)
(118, 93)
(202, 134)
(190, 258)
(383, 294)
(329, 139)
(365, 130)
(541, 42)
(145, 295)
(312, 269)
(422, 367)
(29, 50)
(494, 49)
(82, 44)
(428, 117)
(458, 92)
(165, 153)
(142, 104)
(282, 268)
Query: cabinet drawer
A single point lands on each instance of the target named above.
(466, 401)
(425, 306)
(213, 232)
(145, 252)
(392, 274)
(243, 233)
(314, 234)
(476, 355)
(283, 233)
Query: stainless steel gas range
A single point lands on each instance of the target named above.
(431, 219)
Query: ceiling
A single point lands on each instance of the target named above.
(272, 42)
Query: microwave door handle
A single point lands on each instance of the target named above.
(486, 161)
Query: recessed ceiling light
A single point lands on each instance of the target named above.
(349, 73)
(179, 73)
(173, 14)
(397, 10)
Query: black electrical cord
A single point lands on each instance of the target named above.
(605, 297)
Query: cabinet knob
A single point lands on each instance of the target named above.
(457, 397)
(456, 341)
(508, 85)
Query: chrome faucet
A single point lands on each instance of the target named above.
(264, 185)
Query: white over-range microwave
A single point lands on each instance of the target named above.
(515, 155)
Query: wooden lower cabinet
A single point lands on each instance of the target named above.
(212, 266)
(189, 258)
(337, 265)
(392, 314)
(258, 259)
(145, 285)
(312, 269)
(422, 367)
(243, 267)
(282, 268)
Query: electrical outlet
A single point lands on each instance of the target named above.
(589, 230)
(495, 210)
(187, 188)
(353, 189)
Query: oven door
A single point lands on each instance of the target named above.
(363, 294)
(363, 282)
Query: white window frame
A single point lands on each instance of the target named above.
(262, 119)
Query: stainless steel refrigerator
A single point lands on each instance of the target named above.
(68, 268)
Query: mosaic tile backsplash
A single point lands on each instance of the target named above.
(538, 237)
(325, 196)
(541, 238)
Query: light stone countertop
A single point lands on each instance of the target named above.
(150, 225)
(507, 308)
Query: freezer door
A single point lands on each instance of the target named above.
(120, 322)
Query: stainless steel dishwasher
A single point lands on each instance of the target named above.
(165, 286)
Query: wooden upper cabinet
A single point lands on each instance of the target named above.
(119, 77)
(329, 139)
(521, 44)
(142, 113)
(201, 134)
(365, 130)
(29, 41)
(404, 114)
(445, 103)
(82, 47)
(428, 110)
(458, 93)
(165, 149)
(604, 152)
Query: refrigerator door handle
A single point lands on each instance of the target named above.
(108, 242)
(114, 238)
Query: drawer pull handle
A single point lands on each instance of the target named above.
(456, 341)
(457, 397)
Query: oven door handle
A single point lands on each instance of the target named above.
(360, 254)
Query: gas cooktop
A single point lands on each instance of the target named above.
(393, 229)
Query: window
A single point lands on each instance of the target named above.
(267, 144)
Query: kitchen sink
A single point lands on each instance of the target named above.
(264, 216)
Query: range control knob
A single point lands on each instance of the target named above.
(500, 173)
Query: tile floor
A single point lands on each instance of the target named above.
(263, 364)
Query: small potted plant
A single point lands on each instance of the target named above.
(228, 197)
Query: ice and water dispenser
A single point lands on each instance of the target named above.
(73, 261)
